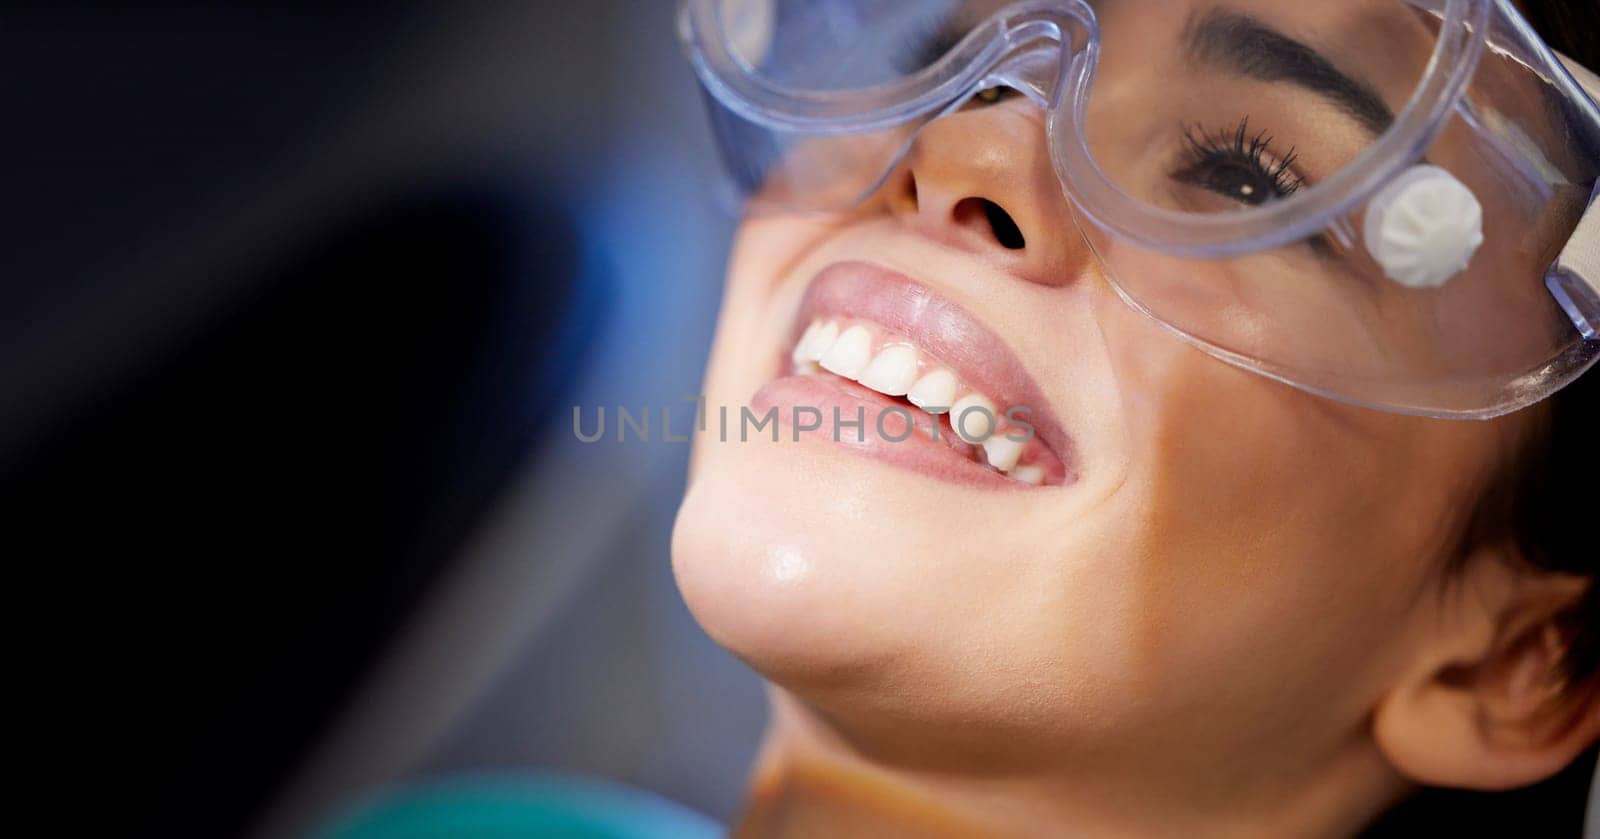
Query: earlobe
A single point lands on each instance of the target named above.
(1489, 708)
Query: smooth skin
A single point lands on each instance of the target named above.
(1236, 622)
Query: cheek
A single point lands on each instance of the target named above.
(1282, 536)
(1224, 456)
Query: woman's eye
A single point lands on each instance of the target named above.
(991, 95)
(1238, 180)
(1238, 166)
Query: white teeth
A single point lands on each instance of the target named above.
(893, 372)
(973, 417)
(802, 348)
(1028, 475)
(1002, 452)
(849, 355)
(934, 392)
(818, 338)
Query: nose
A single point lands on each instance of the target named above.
(981, 179)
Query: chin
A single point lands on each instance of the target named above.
(875, 592)
(778, 558)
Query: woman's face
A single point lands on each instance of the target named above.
(1199, 540)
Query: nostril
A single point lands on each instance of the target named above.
(1005, 228)
(999, 221)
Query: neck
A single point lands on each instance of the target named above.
(809, 781)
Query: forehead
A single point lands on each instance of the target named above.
(1384, 43)
(1364, 18)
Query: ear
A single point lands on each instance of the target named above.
(1486, 706)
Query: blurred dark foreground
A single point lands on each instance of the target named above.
(294, 305)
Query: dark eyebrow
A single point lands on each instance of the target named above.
(1251, 48)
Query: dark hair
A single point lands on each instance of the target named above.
(1546, 507)
(1552, 503)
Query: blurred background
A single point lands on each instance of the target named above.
(295, 306)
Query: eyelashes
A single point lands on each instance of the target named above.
(1238, 153)
(1238, 164)
(1242, 167)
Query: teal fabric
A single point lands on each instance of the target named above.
(559, 807)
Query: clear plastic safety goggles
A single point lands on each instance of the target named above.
(1380, 201)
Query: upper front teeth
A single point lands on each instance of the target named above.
(935, 392)
(818, 338)
(899, 370)
(850, 353)
(893, 371)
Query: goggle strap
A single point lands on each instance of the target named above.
(1580, 260)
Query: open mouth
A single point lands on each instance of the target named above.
(891, 369)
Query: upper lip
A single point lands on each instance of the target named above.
(942, 328)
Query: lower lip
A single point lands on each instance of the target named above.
(943, 458)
